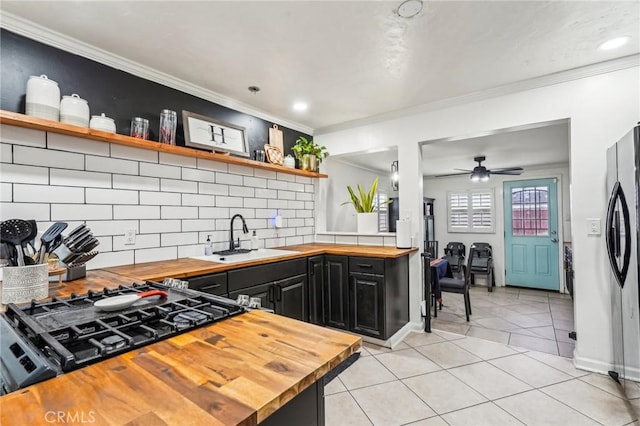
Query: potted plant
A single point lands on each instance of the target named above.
(309, 154)
(366, 208)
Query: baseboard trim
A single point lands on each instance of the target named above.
(591, 365)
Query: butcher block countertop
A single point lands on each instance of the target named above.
(187, 267)
(233, 372)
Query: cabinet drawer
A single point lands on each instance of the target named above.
(366, 265)
(213, 284)
(254, 275)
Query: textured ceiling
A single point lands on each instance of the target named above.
(347, 59)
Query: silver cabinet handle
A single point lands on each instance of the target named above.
(554, 240)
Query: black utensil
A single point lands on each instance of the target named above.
(15, 232)
(50, 235)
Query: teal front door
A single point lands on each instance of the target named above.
(531, 234)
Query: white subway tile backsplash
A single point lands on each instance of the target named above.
(267, 174)
(136, 183)
(223, 224)
(255, 182)
(77, 178)
(286, 232)
(285, 177)
(198, 200)
(370, 241)
(136, 212)
(160, 170)
(277, 204)
(130, 153)
(228, 179)
(308, 205)
(290, 241)
(142, 241)
(308, 239)
(47, 194)
(276, 184)
(297, 187)
(108, 259)
(160, 198)
(110, 227)
(81, 212)
(155, 254)
(47, 158)
(274, 242)
(287, 213)
(106, 243)
(303, 179)
(286, 195)
(173, 185)
(170, 212)
(295, 204)
(309, 221)
(179, 238)
(6, 192)
(198, 175)
(213, 188)
(304, 196)
(177, 160)
(389, 241)
(26, 211)
(237, 169)
(111, 165)
(246, 213)
(255, 203)
(222, 201)
(213, 212)
(325, 239)
(189, 225)
(308, 188)
(304, 213)
(256, 224)
(295, 223)
(242, 191)
(160, 226)
(266, 193)
(22, 136)
(265, 213)
(110, 196)
(305, 230)
(6, 153)
(212, 165)
(346, 239)
(79, 145)
(24, 174)
(189, 251)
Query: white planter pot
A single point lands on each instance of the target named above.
(367, 223)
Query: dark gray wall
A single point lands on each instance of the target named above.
(118, 94)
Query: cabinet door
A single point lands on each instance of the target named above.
(213, 283)
(367, 304)
(316, 284)
(336, 292)
(291, 297)
(266, 293)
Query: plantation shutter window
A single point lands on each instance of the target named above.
(471, 211)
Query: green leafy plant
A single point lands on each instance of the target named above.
(364, 201)
(304, 146)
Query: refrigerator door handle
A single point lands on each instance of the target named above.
(613, 234)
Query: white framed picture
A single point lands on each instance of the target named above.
(207, 133)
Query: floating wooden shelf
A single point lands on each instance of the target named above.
(21, 120)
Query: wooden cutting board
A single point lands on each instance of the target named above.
(275, 138)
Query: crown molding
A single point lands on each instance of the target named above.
(507, 89)
(55, 39)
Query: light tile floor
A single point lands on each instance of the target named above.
(534, 319)
(442, 378)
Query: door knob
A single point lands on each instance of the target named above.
(554, 240)
(553, 232)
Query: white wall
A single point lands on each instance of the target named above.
(173, 202)
(437, 188)
(601, 109)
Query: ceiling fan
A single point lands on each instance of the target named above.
(481, 174)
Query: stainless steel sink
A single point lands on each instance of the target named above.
(245, 257)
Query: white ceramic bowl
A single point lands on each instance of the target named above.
(102, 122)
(74, 110)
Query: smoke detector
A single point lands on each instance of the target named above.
(409, 8)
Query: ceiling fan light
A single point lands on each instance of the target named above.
(474, 177)
(485, 178)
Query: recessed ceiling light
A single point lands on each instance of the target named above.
(253, 89)
(300, 106)
(409, 8)
(614, 43)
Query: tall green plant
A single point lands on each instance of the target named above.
(364, 201)
(304, 146)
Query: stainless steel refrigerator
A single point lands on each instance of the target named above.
(622, 238)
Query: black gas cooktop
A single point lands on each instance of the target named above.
(44, 339)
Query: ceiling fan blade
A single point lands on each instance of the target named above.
(507, 172)
(453, 174)
(506, 169)
(464, 170)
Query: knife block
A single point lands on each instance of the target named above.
(72, 273)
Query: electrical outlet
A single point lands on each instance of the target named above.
(277, 221)
(130, 237)
(593, 227)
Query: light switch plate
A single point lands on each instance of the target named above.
(593, 227)
(130, 237)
